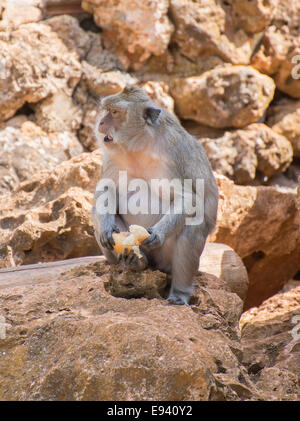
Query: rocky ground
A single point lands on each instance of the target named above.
(228, 70)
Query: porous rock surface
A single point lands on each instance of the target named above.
(68, 338)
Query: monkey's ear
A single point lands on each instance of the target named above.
(151, 114)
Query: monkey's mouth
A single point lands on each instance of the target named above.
(108, 138)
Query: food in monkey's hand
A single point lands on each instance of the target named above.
(130, 240)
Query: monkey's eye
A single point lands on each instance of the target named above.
(114, 112)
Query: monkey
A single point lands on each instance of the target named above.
(148, 142)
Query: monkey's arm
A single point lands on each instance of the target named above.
(104, 219)
(188, 210)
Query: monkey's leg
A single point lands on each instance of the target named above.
(187, 250)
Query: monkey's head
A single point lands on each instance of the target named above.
(127, 118)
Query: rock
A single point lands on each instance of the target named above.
(49, 217)
(25, 149)
(284, 118)
(132, 30)
(227, 96)
(280, 43)
(292, 283)
(105, 83)
(239, 154)
(271, 339)
(100, 57)
(210, 29)
(124, 283)
(287, 181)
(16, 12)
(73, 36)
(159, 93)
(58, 113)
(254, 16)
(43, 60)
(221, 261)
(88, 46)
(123, 343)
(262, 225)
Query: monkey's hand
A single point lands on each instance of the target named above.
(155, 240)
(106, 238)
(133, 261)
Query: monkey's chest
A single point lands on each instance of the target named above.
(143, 166)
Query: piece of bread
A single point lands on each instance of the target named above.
(130, 240)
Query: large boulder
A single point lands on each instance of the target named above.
(66, 337)
(279, 45)
(16, 12)
(227, 96)
(262, 225)
(271, 343)
(133, 29)
(205, 29)
(34, 63)
(73, 36)
(25, 150)
(49, 217)
(284, 118)
(255, 15)
(240, 154)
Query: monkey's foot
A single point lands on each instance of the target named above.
(179, 298)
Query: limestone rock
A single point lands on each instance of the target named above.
(133, 29)
(270, 336)
(34, 63)
(123, 343)
(49, 217)
(238, 154)
(73, 36)
(262, 225)
(284, 118)
(227, 96)
(25, 150)
(16, 12)
(254, 16)
(88, 46)
(105, 83)
(100, 57)
(279, 46)
(210, 28)
(125, 283)
(221, 261)
(58, 113)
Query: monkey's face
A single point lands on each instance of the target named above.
(110, 122)
(126, 118)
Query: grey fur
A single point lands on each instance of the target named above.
(172, 247)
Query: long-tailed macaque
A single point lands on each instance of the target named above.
(146, 142)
